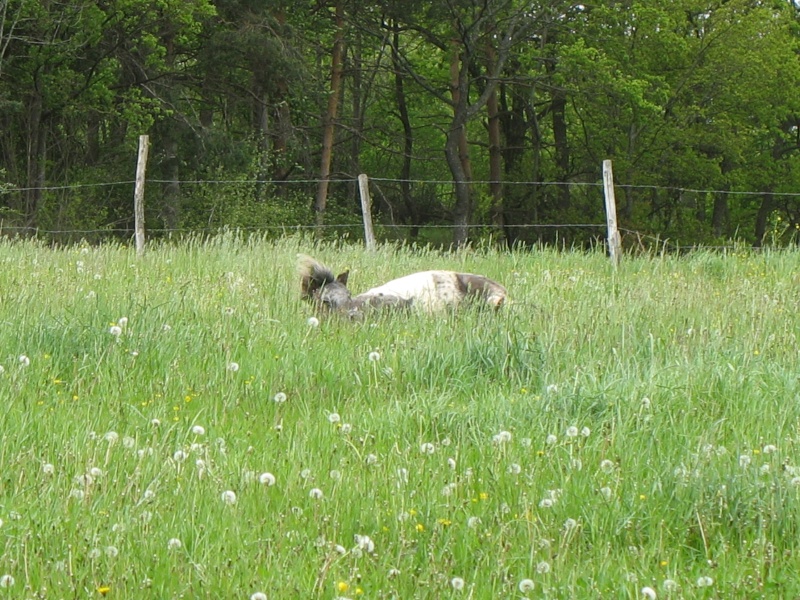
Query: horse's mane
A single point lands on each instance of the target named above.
(313, 275)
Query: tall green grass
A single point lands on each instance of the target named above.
(608, 432)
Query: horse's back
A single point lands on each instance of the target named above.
(435, 290)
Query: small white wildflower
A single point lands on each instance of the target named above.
(649, 593)
(313, 322)
(334, 418)
(457, 583)
(280, 398)
(6, 581)
(427, 448)
(365, 543)
(572, 431)
(198, 430)
(705, 581)
(115, 330)
(267, 479)
(228, 497)
(315, 494)
(543, 567)
(233, 367)
(174, 544)
(526, 585)
(374, 356)
(24, 360)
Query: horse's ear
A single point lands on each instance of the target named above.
(342, 277)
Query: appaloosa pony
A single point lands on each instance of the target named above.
(428, 291)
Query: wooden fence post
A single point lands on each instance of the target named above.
(138, 194)
(366, 211)
(614, 241)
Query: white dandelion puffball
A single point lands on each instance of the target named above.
(374, 356)
(705, 581)
(258, 596)
(229, 497)
(115, 330)
(280, 398)
(502, 437)
(649, 593)
(111, 437)
(543, 567)
(48, 469)
(315, 494)
(174, 544)
(427, 448)
(457, 583)
(551, 439)
(6, 581)
(526, 585)
(313, 322)
(572, 431)
(25, 362)
(334, 417)
(233, 367)
(198, 430)
(267, 479)
(122, 321)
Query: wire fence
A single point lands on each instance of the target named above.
(124, 227)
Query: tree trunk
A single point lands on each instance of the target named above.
(495, 166)
(408, 139)
(762, 218)
(457, 150)
(720, 216)
(329, 121)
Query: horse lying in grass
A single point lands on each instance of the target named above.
(428, 291)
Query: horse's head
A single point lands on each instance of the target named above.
(320, 286)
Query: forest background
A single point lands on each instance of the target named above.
(488, 117)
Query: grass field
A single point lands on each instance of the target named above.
(175, 427)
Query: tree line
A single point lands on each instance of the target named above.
(494, 113)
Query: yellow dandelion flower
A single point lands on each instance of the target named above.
(103, 590)
(420, 527)
(342, 587)
(642, 497)
(359, 591)
(444, 522)
(483, 495)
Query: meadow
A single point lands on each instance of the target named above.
(180, 426)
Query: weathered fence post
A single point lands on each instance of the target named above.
(614, 242)
(366, 211)
(138, 194)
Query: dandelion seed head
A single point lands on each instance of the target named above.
(374, 356)
(649, 593)
(502, 437)
(365, 543)
(526, 585)
(346, 428)
(48, 469)
(233, 367)
(174, 544)
(546, 503)
(427, 448)
(451, 462)
(705, 581)
(313, 322)
(7, 581)
(457, 583)
(258, 596)
(305, 473)
(280, 398)
(769, 449)
(267, 479)
(24, 360)
(572, 431)
(315, 494)
(229, 497)
(112, 551)
(744, 461)
(543, 567)
(179, 456)
(335, 474)
(122, 321)
(514, 469)
(198, 430)
(96, 472)
(334, 417)
(551, 439)
(669, 585)
(115, 330)
(606, 466)
(586, 432)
